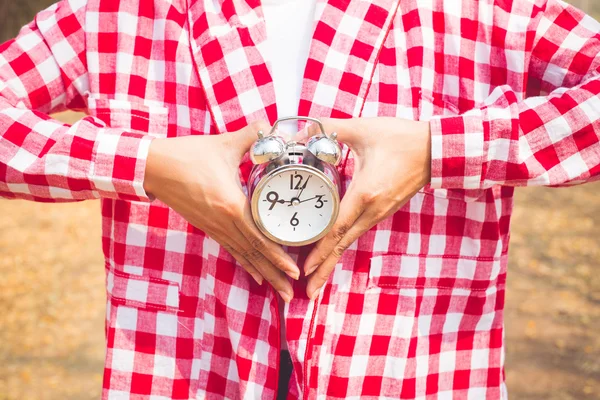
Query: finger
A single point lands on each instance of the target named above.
(351, 207)
(344, 128)
(267, 270)
(230, 247)
(271, 251)
(246, 265)
(320, 276)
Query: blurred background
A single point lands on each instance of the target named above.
(52, 287)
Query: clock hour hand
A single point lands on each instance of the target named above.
(273, 202)
(273, 198)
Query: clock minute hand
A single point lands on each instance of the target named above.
(303, 187)
(312, 198)
(302, 201)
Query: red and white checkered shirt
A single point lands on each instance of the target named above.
(414, 309)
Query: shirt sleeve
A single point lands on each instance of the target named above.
(44, 70)
(552, 137)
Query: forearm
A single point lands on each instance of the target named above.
(42, 159)
(43, 70)
(528, 143)
(551, 138)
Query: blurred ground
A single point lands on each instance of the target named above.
(52, 298)
(553, 295)
(52, 289)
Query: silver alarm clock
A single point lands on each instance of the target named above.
(295, 187)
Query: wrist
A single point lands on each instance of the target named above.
(420, 146)
(427, 153)
(152, 167)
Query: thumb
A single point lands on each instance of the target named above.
(243, 139)
(344, 128)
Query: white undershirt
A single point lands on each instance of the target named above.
(289, 31)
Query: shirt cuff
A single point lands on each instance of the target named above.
(119, 164)
(457, 151)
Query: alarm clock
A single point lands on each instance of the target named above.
(294, 187)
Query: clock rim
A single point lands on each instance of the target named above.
(263, 181)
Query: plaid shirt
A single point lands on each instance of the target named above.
(414, 309)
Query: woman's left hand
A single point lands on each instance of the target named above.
(392, 158)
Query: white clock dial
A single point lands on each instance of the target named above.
(296, 205)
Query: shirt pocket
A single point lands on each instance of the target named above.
(431, 106)
(150, 120)
(142, 292)
(408, 271)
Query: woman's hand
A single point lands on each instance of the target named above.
(392, 160)
(198, 177)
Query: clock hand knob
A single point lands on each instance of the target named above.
(294, 202)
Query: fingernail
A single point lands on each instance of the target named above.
(315, 294)
(294, 274)
(310, 270)
(286, 296)
(258, 279)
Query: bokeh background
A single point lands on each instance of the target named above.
(52, 287)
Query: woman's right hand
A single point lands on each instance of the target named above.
(198, 177)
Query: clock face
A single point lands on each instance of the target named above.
(296, 206)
